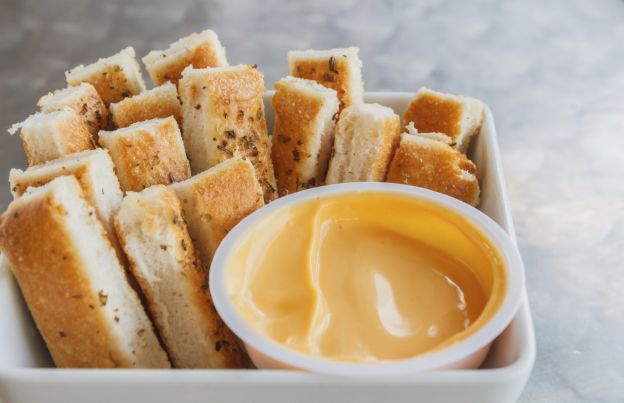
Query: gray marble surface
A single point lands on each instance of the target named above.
(552, 72)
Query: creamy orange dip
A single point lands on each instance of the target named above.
(365, 277)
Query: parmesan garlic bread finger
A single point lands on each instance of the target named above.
(198, 50)
(83, 99)
(95, 173)
(166, 266)
(339, 69)
(429, 161)
(457, 116)
(223, 116)
(48, 136)
(115, 77)
(159, 102)
(366, 137)
(305, 116)
(147, 153)
(73, 283)
(217, 199)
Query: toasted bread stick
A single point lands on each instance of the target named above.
(167, 268)
(223, 116)
(95, 173)
(198, 50)
(159, 102)
(305, 117)
(115, 77)
(457, 116)
(48, 136)
(73, 283)
(215, 200)
(339, 69)
(147, 153)
(83, 99)
(429, 161)
(365, 140)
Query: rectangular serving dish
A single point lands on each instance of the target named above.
(27, 374)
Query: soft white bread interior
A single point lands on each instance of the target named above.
(215, 200)
(425, 161)
(94, 171)
(431, 135)
(305, 116)
(223, 116)
(51, 135)
(83, 99)
(74, 286)
(147, 153)
(339, 69)
(115, 77)
(165, 264)
(159, 102)
(365, 140)
(457, 116)
(198, 50)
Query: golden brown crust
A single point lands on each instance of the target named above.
(432, 113)
(89, 106)
(93, 112)
(227, 197)
(220, 198)
(228, 352)
(332, 72)
(75, 136)
(237, 116)
(44, 260)
(148, 105)
(112, 83)
(294, 114)
(72, 136)
(84, 172)
(204, 55)
(19, 185)
(144, 158)
(391, 136)
(436, 166)
(32, 156)
(366, 137)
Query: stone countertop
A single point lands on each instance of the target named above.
(552, 73)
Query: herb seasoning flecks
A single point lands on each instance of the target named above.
(283, 139)
(332, 64)
(102, 297)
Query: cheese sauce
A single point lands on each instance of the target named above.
(365, 277)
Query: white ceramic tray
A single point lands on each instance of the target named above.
(26, 373)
